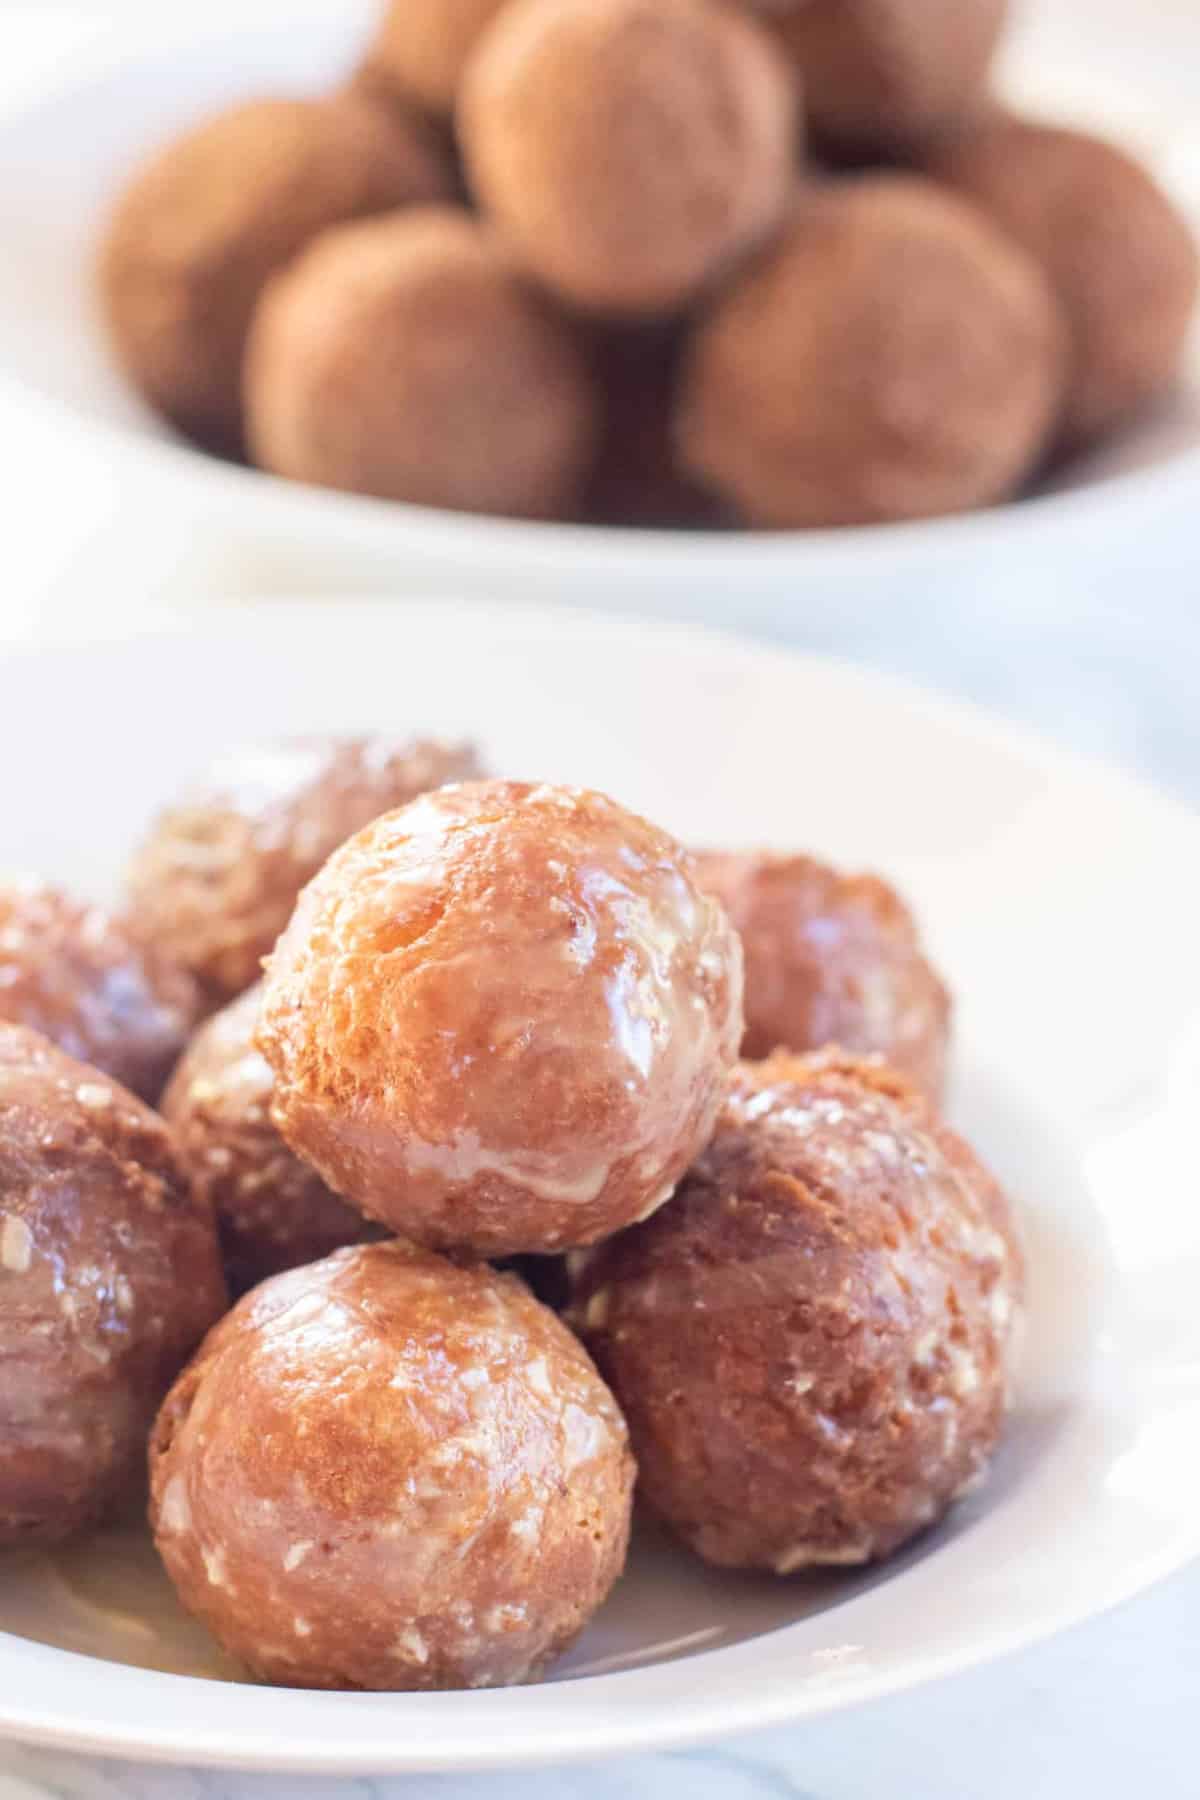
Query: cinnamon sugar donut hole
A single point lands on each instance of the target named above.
(1120, 256)
(883, 75)
(630, 150)
(408, 358)
(205, 223)
(892, 355)
(419, 51)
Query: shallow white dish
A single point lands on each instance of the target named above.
(62, 159)
(1061, 900)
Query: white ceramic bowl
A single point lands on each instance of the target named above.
(1062, 901)
(62, 159)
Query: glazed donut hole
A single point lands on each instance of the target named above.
(391, 1471)
(587, 263)
(215, 880)
(109, 1276)
(814, 1343)
(831, 959)
(273, 1212)
(547, 942)
(94, 984)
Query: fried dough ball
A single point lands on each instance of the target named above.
(205, 223)
(273, 1212)
(407, 358)
(419, 51)
(1120, 256)
(891, 357)
(502, 1018)
(109, 1277)
(831, 959)
(215, 881)
(388, 1471)
(631, 150)
(880, 75)
(814, 1342)
(91, 983)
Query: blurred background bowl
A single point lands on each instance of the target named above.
(130, 496)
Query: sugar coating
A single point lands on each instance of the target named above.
(891, 355)
(418, 52)
(883, 76)
(208, 220)
(630, 150)
(1120, 255)
(360, 377)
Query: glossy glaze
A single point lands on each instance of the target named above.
(109, 1274)
(273, 1212)
(391, 1471)
(216, 879)
(814, 1343)
(832, 959)
(502, 1018)
(92, 984)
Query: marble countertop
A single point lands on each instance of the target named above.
(1105, 660)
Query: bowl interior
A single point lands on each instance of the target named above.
(73, 150)
(1033, 875)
